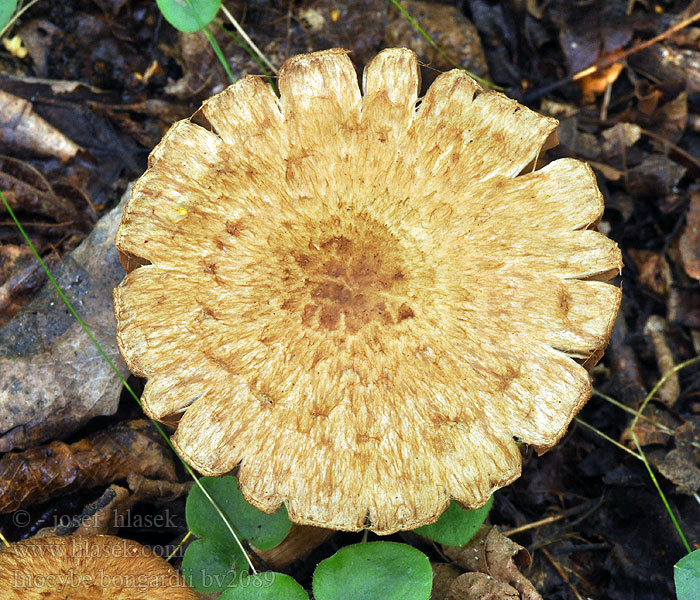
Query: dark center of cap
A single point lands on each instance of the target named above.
(350, 279)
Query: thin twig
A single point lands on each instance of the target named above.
(562, 573)
(246, 38)
(533, 525)
(617, 57)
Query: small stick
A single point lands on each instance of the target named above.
(538, 93)
(533, 525)
(562, 573)
(624, 54)
(247, 39)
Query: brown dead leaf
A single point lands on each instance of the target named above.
(13, 258)
(610, 173)
(648, 98)
(654, 270)
(443, 576)
(656, 176)
(647, 432)
(19, 288)
(596, 83)
(147, 489)
(53, 378)
(149, 131)
(619, 137)
(479, 586)
(38, 36)
(199, 64)
(684, 307)
(20, 276)
(576, 141)
(36, 475)
(680, 464)
(670, 120)
(493, 554)
(558, 110)
(21, 128)
(682, 472)
(690, 238)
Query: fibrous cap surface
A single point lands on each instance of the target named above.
(358, 297)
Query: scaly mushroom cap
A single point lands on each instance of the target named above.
(95, 567)
(359, 300)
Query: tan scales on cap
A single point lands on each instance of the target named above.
(359, 301)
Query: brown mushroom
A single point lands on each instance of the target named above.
(359, 299)
(86, 567)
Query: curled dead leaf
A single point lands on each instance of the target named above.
(655, 328)
(491, 553)
(680, 464)
(690, 238)
(57, 468)
(479, 586)
(300, 541)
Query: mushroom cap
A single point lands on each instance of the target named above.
(358, 299)
(89, 567)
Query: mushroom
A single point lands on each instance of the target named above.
(362, 302)
(88, 567)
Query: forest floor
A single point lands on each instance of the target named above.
(110, 77)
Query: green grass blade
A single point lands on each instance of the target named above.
(219, 54)
(212, 42)
(633, 427)
(669, 510)
(640, 452)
